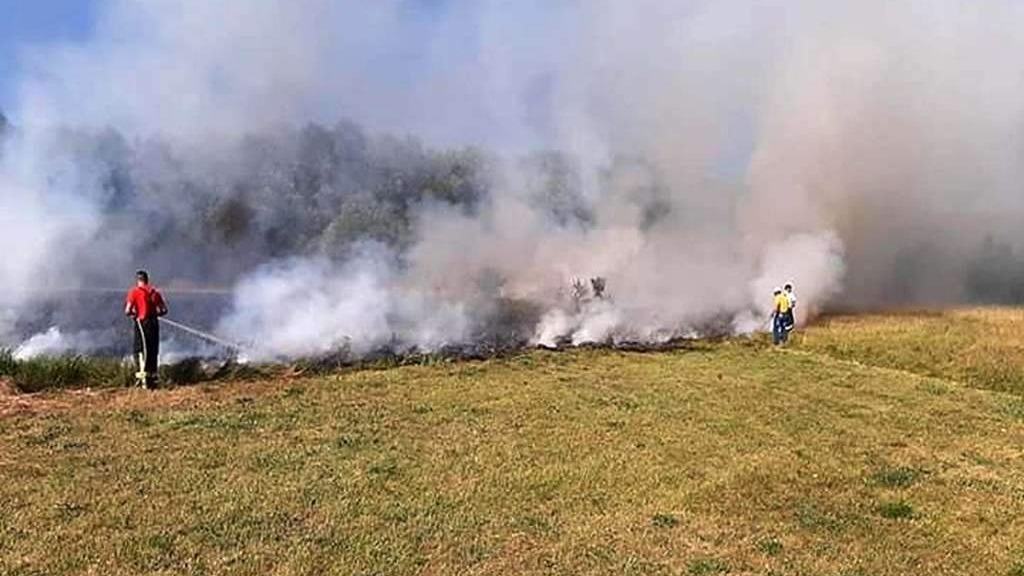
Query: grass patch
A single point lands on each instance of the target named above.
(769, 546)
(898, 477)
(664, 521)
(37, 374)
(75, 371)
(1014, 408)
(386, 469)
(899, 510)
(138, 418)
(8, 365)
(813, 518)
(229, 422)
(706, 567)
(936, 388)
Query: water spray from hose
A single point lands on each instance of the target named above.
(204, 335)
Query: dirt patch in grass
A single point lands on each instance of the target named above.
(7, 387)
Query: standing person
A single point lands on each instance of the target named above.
(780, 309)
(790, 318)
(144, 305)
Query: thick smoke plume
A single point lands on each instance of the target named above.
(311, 176)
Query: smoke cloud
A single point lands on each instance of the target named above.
(427, 174)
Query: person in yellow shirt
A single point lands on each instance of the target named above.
(780, 311)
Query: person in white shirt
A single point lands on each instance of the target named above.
(790, 319)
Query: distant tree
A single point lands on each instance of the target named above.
(996, 274)
(555, 184)
(317, 160)
(362, 217)
(579, 294)
(229, 220)
(278, 194)
(456, 177)
(637, 179)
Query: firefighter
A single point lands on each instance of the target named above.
(144, 305)
(780, 309)
(790, 319)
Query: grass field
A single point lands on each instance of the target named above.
(983, 348)
(873, 445)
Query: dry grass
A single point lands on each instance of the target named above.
(732, 458)
(982, 347)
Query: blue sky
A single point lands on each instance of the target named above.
(27, 22)
(24, 23)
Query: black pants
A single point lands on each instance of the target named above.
(788, 320)
(147, 342)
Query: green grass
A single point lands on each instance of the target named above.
(769, 546)
(664, 521)
(44, 373)
(74, 371)
(898, 510)
(730, 458)
(706, 566)
(898, 477)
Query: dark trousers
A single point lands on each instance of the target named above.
(779, 332)
(788, 320)
(147, 343)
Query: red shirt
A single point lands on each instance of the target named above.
(146, 301)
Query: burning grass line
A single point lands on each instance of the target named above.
(886, 342)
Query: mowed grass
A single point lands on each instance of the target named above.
(734, 458)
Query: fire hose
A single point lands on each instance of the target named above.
(232, 346)
(141, 374)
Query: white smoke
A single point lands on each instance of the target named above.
(44, 203)
(53, 342)
(722, 148)
(812, 263)
(308, 307)
(174, 348)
